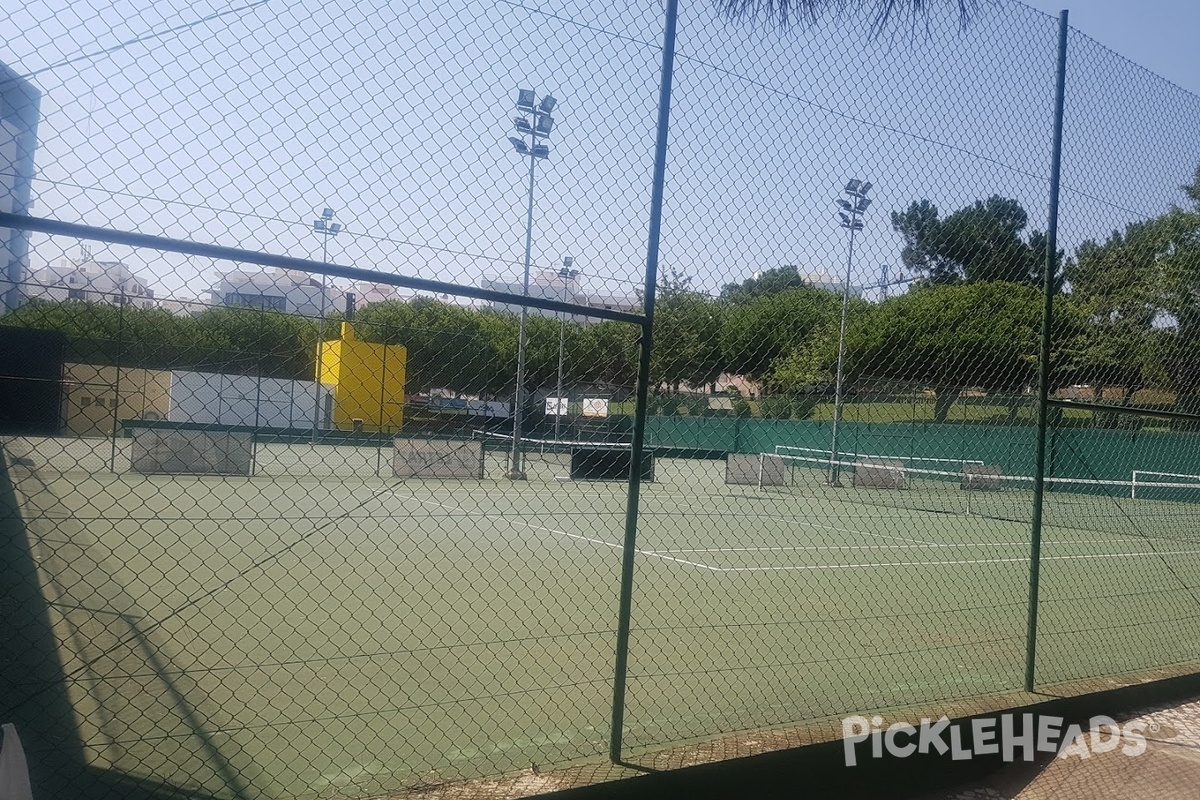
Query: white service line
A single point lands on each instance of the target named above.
(848, 530)
(809, 567)
(819, 547)
(962, 563)
(575, 536)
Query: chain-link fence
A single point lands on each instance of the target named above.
(355, 443)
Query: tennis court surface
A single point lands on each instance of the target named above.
(322, 631)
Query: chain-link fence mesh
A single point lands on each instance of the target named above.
(321, 357)
(1120, 512)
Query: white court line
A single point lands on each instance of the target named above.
(848, 530)
(962, 563)
(813, 567)
(819, 547)
(575, 536)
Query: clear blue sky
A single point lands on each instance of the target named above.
(1161, 35)
(240, 129)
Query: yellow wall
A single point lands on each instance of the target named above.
(96, 394)
(367, 381)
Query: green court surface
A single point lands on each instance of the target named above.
(347, 634)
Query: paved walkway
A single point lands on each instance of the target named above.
(1168, 769)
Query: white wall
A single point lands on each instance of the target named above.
(213, 397)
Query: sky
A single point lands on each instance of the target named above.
(1161, 35)
(236, 121)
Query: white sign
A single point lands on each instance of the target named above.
(595, 407)
(991, 736)
(556, 406)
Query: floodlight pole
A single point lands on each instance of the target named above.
(516, 472)
(541, 114)
(567, 274)
(853, 223)
(327, 228)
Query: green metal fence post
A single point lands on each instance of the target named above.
(625, 604)
(1039, 475)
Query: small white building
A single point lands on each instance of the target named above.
(93, 281)
(827, 282)
(277, 290)
(549, 285)
(294, 292)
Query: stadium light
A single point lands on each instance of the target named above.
(327, 229)
(857, 190)
(538, 132)
(568, 275)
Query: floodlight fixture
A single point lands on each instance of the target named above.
(548, 103)
(327, 213)
(525, 98)
(334, 228)
(318, 225)
(852, 186)
(845, 219)
(544, 123)
(522, 124)
(845, 204)
(519, 145)
(862, 203)
(866, 187)
(567, 262)
(541, 151)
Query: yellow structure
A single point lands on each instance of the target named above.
(367, 380)
(95, 396)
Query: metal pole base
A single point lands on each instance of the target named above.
(516, 475)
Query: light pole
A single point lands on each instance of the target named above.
(327, 229)
(568, 276)
(538, 133)
(848, 218)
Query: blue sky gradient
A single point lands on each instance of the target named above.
(239, 130)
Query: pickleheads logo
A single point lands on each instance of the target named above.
(1005, 735)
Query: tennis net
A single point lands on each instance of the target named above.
(1150, 503)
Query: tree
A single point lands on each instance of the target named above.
(1192, 190)
(687, 335)
(981, 242)
(254, 341)
(1115, 286)
(950, 338)
(448, 346)
(770, 281)
(758, 335)
(1174, 239)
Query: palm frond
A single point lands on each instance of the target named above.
(882, 13)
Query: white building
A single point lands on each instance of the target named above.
(294, 292)
(822, 280)
(278, 290)
(550, 285)
(19, 116)
(87, 279)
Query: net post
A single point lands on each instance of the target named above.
(762, 459)
(1043, 400)
(1133, 486)
(628, 549)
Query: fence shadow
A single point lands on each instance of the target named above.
(83, 680)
